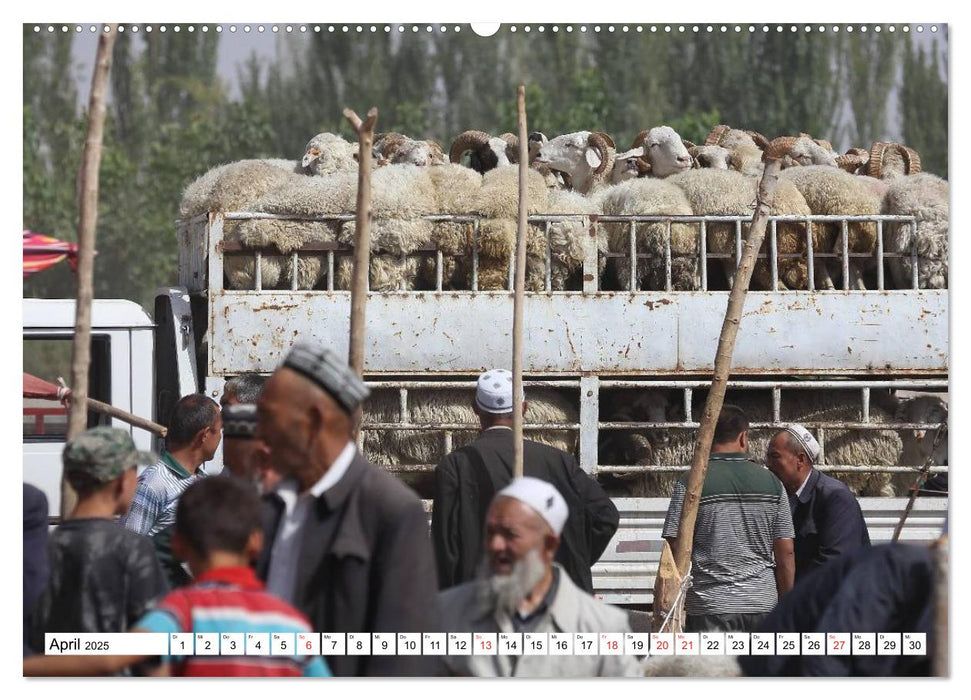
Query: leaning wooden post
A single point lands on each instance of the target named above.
(518, 289)
(666, 587)
(362, 246)
(87, 228)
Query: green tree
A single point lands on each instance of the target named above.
(924, 103)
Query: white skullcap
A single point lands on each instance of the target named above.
(542, 497)
(804, 438)
(493, 393)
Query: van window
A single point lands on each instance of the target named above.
(49, 357)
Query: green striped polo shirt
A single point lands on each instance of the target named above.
(742, 510)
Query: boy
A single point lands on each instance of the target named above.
(218, 532)
(103, 578)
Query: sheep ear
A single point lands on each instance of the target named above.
(593, 158)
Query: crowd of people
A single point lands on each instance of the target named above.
(303, 531)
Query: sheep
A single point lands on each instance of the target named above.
(587, 157)
(629, 165)
(917, 444)
(715, 157)
(890, 160)
(436, 407)
(236, 185)
(486, 152)
(850, 447)
(727, 192)
(650, 196)
(926, 197)
(745, 147)
(806, 151)
(665, 152)
(394, 148)
(328, 153)
(567, 239)
(833, 191)
(456, 187)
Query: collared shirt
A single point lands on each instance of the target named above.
(282, 577)
(157, 494)
(804, 482)
(231, 600)
(497, 427)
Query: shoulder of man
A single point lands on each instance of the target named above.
(456, 605)
(593, 614)
(831, 486)
(384, 490)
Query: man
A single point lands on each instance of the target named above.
(245, 388)
(37, 568)
(347, 543)
(826, 516)
(245, 456)
(521, 589)
(194, 432)
(467, 480)
(743, 533)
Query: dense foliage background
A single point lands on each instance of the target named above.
(171, 119)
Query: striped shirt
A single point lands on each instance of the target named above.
(226, 601)
(157, 494)
(742, 510)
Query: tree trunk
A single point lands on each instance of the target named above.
(519, 289)
(362, 247)
(87, 229)
(722, 368)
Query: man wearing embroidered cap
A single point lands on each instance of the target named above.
(347, 542)
(468, 478)
(826, 516)
(521, 589)
(245, 456)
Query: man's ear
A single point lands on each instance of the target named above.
(550, 544)
(743, 440)
(254, 545)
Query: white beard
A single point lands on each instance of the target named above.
(506, 592)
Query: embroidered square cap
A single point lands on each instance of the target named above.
(325, 369)
(806, 439)
(493, 392)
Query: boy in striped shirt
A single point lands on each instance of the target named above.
(218, 532)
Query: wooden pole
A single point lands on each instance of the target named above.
(130, 418)
(87, 229)
(921, 479)
(362, 247)
(722, 368)
(519, 289)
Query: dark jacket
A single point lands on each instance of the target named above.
(468, 478)
(36, 565)
(366, 565)
(828, 522)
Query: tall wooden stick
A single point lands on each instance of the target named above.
(519, 289)
(666, 586)
(362, 247)
(925, 471)
(87, 227)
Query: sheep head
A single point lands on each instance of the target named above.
(714, 157)
(485, 152)
(854, 160)
(889, 160)
(628, 165)
(327, 153)
(805, 151)
(664, 151)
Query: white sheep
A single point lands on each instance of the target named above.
(665, 152)
(328, 153)
(651, 196)
(746, 148)
(714, 157)
(925, 197)
(587, 157)
(394, 149)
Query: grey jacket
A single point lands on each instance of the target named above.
(462, 609)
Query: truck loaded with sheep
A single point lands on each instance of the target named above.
(630, 256)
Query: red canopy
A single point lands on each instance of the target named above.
(40, 252)
(36, 388)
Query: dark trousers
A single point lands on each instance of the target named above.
(732, 622)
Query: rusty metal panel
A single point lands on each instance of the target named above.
(604, 333)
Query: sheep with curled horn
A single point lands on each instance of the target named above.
(746, 148)
(713, 157)
(665, 153)
(485, 152)
(925, 197)
(586, 157)
(394, 149)
(890, 160)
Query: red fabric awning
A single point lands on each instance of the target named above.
(37, 388)
(40, 252)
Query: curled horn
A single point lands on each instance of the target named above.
(759, 139)
(640, 138)
(877, 154)
(688, 144)
(608, 139)
(643, 167)
(779, 147)
(602, 143)
(512, 146)
(693, 151)
(717, 134)
(853, 160)
(911, 159)
(825, 144)
(466, 141)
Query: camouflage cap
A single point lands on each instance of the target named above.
(103, 454)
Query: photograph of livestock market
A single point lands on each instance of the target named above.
(517, 350)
